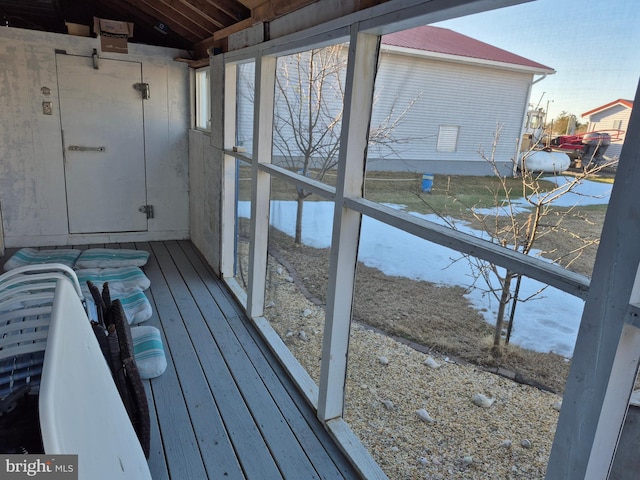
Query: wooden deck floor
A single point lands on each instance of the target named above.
(224, 408)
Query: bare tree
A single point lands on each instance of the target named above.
(308, 114)
(512, 226)
(521, 230)
(308, 117)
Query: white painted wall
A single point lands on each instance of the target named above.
(606, 120)
(32, 186)
(205, 168)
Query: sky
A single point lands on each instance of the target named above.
(548, 323)
(594, 46)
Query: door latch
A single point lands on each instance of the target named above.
(81, 148)
(143, 88)
(147, 209)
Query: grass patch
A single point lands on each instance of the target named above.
(450, 195)
(453, 195)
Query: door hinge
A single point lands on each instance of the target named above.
(144, 89)
(147, 209)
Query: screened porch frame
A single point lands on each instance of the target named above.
(606, 357)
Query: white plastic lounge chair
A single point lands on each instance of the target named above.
(81, 411)
(26, 301)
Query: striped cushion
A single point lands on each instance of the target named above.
(135, 304)
(148, 351)
(111, 257)
(32, 256)
(121, 280)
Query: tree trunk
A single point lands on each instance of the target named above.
(300, 201)
(514, 303)
(504, 300)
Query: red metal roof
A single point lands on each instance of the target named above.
(620, 101)
(445, 41)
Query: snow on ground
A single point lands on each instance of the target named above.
(548, 323)
(584, 193)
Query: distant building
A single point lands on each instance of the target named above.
(612, 118)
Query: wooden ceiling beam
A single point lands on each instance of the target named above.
(208, 23)
(263, 12)
(158, 15)
(251, 4)
(130, 12)
(234, 9)
(269, 10)
(184, 13)
(272, 9)
(174, 20)
(202, 9)
(218, 39)
(370, 3)
(125, 9)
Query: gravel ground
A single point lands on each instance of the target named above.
(389, 384)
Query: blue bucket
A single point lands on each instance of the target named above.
(427, 182)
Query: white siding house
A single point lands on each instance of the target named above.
(81, 150)
(464, 91)
(612, 118)
(449, 93)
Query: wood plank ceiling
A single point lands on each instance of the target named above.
(192, 25)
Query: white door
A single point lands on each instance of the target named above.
(103, 140)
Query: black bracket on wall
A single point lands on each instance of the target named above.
(144, 89)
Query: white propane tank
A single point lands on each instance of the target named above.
(543, 161)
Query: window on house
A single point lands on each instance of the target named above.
(203, 104)
(447, 138)
(617, 125)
